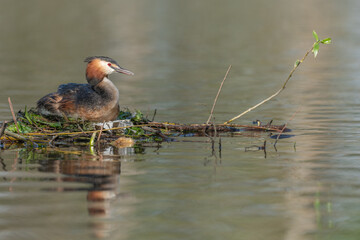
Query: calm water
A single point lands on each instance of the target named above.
(179, 50)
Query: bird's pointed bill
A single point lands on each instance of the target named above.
(122, 70)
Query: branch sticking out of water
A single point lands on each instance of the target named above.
(285, 125)
(314, 49)
(217, 95)
(13, 115)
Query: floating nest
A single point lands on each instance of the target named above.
(130, 128)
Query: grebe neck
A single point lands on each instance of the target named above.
(94, 81)
(107, 89)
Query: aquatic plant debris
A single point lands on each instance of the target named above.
(130, 126)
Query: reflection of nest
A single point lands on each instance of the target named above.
(99, 168)
(102, 175)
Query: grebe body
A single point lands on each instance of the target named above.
(96, 101)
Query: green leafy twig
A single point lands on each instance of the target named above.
(314, 49)
(316, 44)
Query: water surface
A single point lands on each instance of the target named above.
(306, 188)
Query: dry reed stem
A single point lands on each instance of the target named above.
(101, 130)
(275, 94)
(14, 135)
(13, 115)
(217, 95)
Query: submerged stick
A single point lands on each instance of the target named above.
(217, 95)
(13, 115)
(297, 63)
(285, 125)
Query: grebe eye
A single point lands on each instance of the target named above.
(109, 64)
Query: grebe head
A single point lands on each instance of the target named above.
(100, 67)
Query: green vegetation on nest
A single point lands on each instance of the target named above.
(30, 122)
(136, 117)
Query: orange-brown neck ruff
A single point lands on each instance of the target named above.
(95, 72)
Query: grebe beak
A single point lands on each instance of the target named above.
(121, 70)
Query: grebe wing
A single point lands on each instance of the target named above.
(73, 88)
(73, 95)
(66, 99)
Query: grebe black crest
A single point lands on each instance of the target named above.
(96, 101)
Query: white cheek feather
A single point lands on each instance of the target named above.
(107, 69)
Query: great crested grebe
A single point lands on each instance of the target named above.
(96, 101)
